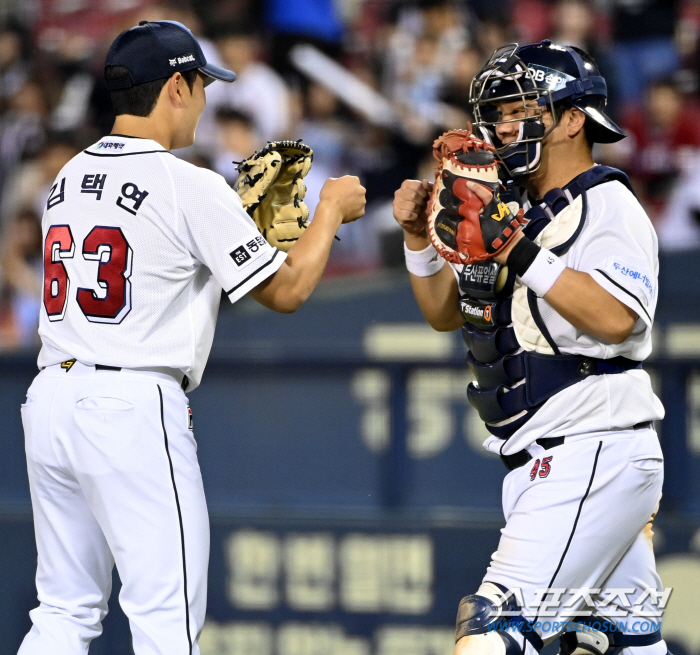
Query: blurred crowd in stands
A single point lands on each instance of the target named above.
(406, 70)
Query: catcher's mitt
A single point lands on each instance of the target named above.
(460, 227)
(271, 186)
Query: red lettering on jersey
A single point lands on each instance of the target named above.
(546, 468)
(533, 472)
(108, 246)
(541, 468)
(58, 245)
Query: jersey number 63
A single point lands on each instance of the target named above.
(110, 302)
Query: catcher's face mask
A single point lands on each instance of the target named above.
(507, 82)
(537, 76)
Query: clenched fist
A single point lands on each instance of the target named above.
(347, 194)
(410, 204)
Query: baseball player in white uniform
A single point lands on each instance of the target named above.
(557, 326)
(138, 246)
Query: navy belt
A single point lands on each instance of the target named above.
(103, 367)
(522, 457)
(516, 460)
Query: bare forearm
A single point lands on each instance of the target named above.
(437, 295)
(287, 290)
(575, 295)
(578, 298)
(438, 299)
(308, 257)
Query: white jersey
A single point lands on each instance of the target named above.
(138, 245)
(618, 248)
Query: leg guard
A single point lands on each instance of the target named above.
(593, 635)
(495, 615)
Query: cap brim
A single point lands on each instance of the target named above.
(217, 73)
(605, 129)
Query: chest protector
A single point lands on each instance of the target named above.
(515, 362)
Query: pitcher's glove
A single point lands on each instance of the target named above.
(271, 186)
(460, 227)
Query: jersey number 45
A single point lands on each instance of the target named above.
(110, 302)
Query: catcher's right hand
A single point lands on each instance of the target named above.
(271, 186)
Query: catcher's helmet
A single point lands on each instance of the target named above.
(540, 75)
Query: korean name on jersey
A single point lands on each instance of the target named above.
(138, 245)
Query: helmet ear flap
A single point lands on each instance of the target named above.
(599, 127)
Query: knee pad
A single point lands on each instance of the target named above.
(495, 615)
(595, 635)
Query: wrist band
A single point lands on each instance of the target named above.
(423, 263)
(522, 255)
(543, 272)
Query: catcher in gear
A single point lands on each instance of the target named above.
(557, 316)
(271, 187)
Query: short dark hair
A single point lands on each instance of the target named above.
(140, 100)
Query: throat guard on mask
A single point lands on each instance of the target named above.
(516, 364)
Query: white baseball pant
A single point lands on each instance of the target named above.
(578, 517)
(114, 478)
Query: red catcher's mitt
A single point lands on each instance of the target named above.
(460, 227)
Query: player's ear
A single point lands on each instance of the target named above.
(576, 120)
(174, 89)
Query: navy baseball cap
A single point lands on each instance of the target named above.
(154, 50)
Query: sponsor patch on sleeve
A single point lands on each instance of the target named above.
(247, 251)
(631, 275)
